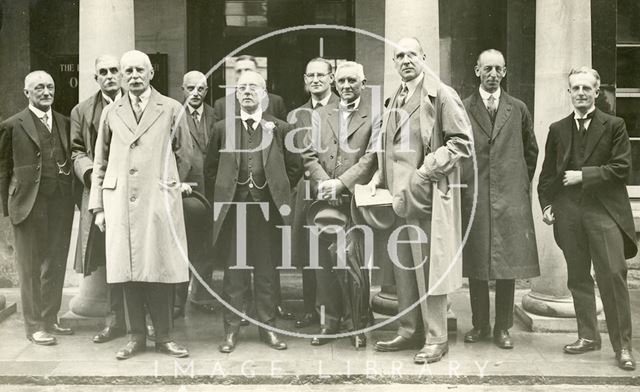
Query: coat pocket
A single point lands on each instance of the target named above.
(109, 183)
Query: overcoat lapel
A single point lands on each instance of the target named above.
(64, 136)
(95, 120)
(504, 112)
(357, 120)
(125, 112)
(272, 134)
(480, 113)
(333, 118)
(150, 114)
(565, 136)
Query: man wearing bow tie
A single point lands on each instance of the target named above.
(582, 192)
(502, 242)
(249, 173)
(35, 186)
(339, 158)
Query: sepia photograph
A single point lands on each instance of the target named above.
(319, 195)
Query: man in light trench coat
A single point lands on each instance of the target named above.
(501, 243)
(141, 157)
(425, 133)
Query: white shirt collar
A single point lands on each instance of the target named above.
(355, 104)
(144, 98)
(257, 117)
(39, 113)
(323, 101)
(578, 115)
(109, 100)
(485, 95)
(412, 85)
(199, 110)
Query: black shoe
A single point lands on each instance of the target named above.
(308, 319)
(477, 334)
(132, 348)
(283, 314)
(229, 343)
(108, 334)
(244, 322)
(359, 341)
(625, 359)
(582, 345)
(319, 340)
(178, 311)
(502, 339)
(431, 353)
(272, 340)
(56, 329)
(400, 343)
(42, 338)
(173, 349)
(151, 332)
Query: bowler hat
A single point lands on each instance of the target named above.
(197, 211)
(326, 217)
(379, 217)
(415, 200)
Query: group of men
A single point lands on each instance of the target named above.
(450, 167)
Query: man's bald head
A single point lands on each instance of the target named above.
(194, 88)
(137, 71)
(250, 91)
(409, 58)
(39, 89)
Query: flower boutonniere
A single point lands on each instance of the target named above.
(269, 126)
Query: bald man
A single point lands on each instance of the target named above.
(35, 186)
(201, 119)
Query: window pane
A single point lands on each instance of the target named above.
(629, 109)
(635, 163)
(234, 8)
(628, 21)
(235, 20)
(256, 20)
(628, 67)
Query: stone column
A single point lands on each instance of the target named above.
(563, 41)
(413, 18)
(106, 27)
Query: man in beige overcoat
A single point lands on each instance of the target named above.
(425, 133)
(141, 157)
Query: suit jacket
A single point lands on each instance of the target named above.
(502, 240)
(282, 168)
(21, 160)
(338, 150)
(301, 117)
(136, 179)
(196, 160)
(605, 172)
(276, 107)
(446, 137)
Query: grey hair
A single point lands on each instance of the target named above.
(146, 60)
(585, 70)
(31, 75)
(352, 64)
(199, 76)
(490, 51)
(104, 57)
(322, 60)
(263, 83)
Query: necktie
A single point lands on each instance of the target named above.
(492, 107)
(45, 121)
(582, 129)
(137, 107)
(250, 123)
(196, 118)
(318, 105)
(402, 96)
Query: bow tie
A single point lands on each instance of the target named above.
(587, 117)
(348, 107)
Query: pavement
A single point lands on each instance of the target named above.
(78, 363)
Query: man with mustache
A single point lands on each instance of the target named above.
(85, 121)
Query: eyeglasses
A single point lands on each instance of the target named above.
(105, 71)
(318, 75)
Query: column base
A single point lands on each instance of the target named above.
(385, 305)
(74, 321)
(541, 313)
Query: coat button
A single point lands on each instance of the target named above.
(37, 180)
(132, 171)
(38, 153)
(331, 157)
(133, 145)
(132, 198)
(38, 167)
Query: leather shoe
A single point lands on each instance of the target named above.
(272, 340)
(319, 340)
(173, 349)
(502, 339)
(582, 345)
(625, 359)
(359, 341)
(477, 334)
(108, 334)
(431, 353)
(244, 322)
(56, 329)
(283, 314)
(229, 344)
(203, 307)
(307, 320)
(151, 332)
(399, 343)
(43, 338)
(132, 348)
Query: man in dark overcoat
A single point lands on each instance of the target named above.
(501, 245)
